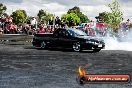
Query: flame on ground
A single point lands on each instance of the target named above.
(81, 71)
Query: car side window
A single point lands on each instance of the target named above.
(63, 33)
(56, 34)
(66, 34)
(60, 33)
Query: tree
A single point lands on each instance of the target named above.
(71, 17)
(48, 17)
(24, 12)
(74, 10)
(2, 9)
(5, 14)
(83, 17)
(44, 16)
(104, 17)
(77, 11)
(114, 17)
(19, 16)
(41, 14)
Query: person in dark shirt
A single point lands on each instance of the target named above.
(50, 22)
(57, 21)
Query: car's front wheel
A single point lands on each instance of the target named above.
(43, 45)
(76, 46)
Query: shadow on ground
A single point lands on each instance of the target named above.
(59, 49)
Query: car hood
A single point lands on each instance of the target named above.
(91, 38)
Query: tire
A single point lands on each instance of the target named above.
(43, 45)
(76, 47)
(96, 50)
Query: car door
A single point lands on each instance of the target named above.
(64, 38)
(54, 41)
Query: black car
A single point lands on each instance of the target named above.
(68, 38)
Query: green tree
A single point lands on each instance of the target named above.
(44, 16)
(104, 17)
(2, 9)
(28, 19)
(5, 14)
(24, 12)
(48, 17)
(77, 11)
(19, 16)
(74, 10)
(41, 14)
(71, 16)
(114, 17)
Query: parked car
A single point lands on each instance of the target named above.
(68, 38)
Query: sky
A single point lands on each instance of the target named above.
(91, 8)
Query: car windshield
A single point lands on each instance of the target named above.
(76, 32)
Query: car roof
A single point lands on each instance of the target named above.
(65, 28)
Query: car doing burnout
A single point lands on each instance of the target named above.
(68, 38)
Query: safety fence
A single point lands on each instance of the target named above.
(16, 39)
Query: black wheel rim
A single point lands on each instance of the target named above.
(43, 44)
(76, 46)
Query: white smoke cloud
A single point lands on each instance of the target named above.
(124, 43)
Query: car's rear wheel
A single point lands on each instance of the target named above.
(76, 47)
(96, 50)
(43, 45)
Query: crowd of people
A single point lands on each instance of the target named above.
(28, 27)
(124, 28)
(95, 29)
(102, 29)
(31, 26)
(34, 26)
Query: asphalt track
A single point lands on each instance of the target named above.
(22, 66)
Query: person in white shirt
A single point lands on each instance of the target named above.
(33, 23)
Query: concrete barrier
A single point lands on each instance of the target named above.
(15, 39)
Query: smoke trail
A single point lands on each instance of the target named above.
(119, 43)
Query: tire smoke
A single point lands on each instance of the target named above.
(122, 42)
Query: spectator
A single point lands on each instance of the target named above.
(25, 28)
(128, 23)
(50, 22)
(57, 21)
(19, 29)
(1, 31)
(10, 19)
(30, 31)
(11, 28)
(41, 29)
(33, 23)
